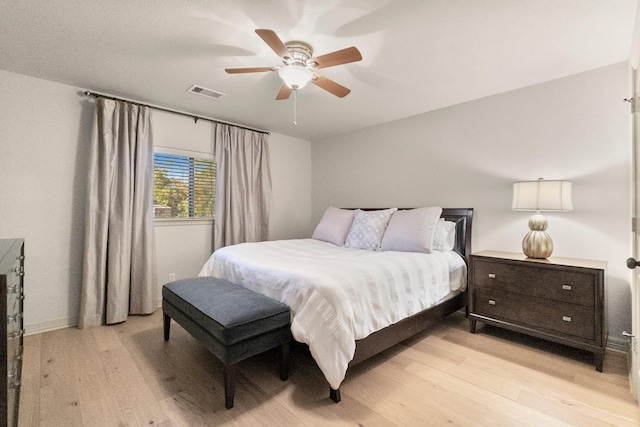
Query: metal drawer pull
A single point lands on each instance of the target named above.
(14, 289)
(566, 287)
(16, 334)
(566, 318)
(492, 302)
(14, 317)
(13, 380)
(492, 276)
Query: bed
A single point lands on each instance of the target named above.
(347, 303)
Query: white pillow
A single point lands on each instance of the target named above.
(334, 225)
(445, 236)
(412, 230)
(367, 229)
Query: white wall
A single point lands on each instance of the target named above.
(468, 155)
(44, 146)
(184, 246)
(291, 181)
(44, 129)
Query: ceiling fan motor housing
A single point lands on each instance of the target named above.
(301, 53)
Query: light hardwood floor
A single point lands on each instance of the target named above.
(126, 375)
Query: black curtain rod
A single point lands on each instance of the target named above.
(168, 110)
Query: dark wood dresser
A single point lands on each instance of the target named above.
(11, 299)
(558, 299)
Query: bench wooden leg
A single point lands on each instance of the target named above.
(167, 326)
(334, 395)
(229, 385)
(284, 362)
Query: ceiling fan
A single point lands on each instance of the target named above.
(300, 66)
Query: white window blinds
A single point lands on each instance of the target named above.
(184, 187)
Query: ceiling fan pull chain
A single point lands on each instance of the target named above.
(295, 103)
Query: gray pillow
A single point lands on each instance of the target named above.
(334, 225)
(412, 230)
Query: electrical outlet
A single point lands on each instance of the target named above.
(172, 277)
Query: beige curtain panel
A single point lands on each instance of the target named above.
(243, 186)
(119, 265)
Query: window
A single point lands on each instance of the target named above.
(183, 187)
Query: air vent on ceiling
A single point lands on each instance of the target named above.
(203, 91)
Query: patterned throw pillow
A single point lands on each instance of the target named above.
(367, 229)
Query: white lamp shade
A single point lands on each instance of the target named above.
(542, 195)
(295, 76)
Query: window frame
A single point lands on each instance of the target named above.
(201, 220)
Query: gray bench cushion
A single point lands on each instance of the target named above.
(228, 312)
(232, 322)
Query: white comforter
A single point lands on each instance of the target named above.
(339, 295)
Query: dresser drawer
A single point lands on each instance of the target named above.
(542, 282)
(565, 318)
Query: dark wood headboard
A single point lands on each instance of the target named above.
(463, 217)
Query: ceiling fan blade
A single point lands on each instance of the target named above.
(284, 93)
(274, 42)
(344, 56)
(330, 86)
(248, 70)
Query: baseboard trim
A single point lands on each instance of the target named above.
(53, 325)
(618, 344)
(613, 344)
(50, 325)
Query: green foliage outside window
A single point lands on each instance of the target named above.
(184, 187)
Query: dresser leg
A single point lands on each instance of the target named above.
(472, 326)
(598, 359)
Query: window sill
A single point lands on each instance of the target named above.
(169, 222)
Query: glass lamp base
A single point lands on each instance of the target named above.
(537, 243)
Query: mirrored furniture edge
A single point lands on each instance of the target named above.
(11, 300)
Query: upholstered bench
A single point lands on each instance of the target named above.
(232, 322)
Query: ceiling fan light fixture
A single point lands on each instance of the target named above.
(300, 65)
(295, 76)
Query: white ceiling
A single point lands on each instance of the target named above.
(418, 55)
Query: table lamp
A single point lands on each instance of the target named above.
(540, 195)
